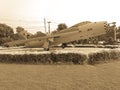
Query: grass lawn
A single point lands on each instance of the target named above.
(60, 77)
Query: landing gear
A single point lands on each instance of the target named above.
(46, 45)
(46, 49)
(64, 45)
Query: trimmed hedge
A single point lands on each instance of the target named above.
(103, 56)
(74, 58)
(50, 58)
(62, 58)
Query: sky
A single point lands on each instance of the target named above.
(30, 14)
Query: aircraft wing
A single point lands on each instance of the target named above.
(81, 32)
(78, 32)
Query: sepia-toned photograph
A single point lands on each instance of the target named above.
(59, 45)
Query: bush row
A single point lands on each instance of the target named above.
(44, 58)
(61, 58)
(103, 56)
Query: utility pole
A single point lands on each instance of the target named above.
(114, 30)
(49, 27)
(45, 24)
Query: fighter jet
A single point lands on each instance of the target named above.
(79, 31)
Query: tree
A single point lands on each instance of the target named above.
(5, 31)
(19, 29)
(38, 34)
(21, 34)
(62, 26)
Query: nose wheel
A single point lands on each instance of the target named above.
(46, 49)
(64, 45)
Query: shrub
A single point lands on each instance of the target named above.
(64, 58)
(74, 58)
(103, 56)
